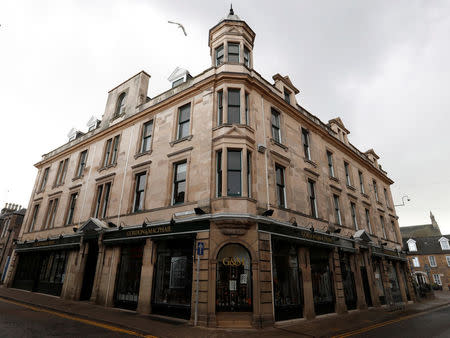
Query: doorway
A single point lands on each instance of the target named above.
(234, 280)
(89, 271)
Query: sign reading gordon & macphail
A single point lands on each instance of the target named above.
(296, 233)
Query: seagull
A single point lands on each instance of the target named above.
(179, 26)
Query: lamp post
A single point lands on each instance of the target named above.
(403, 201)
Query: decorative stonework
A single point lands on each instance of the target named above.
(233, 227)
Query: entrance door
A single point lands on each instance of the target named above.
(234, 280)
(366, 286)
(348, 281)
(379, 282)
(89, 271)
(395, 287)
(322, 281)
(129, 277)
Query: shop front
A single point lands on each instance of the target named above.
(348, 280)
(42, 265)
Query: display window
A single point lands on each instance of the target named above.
(322, 281)
(379, 281)
(348, 281)
(393, 281)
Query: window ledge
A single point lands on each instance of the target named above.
(240, 125)
(379, 203)
(334, 179)
(351, 187)
(390, 209)
(117, 117)
(281, 145)
(77, 178)
(107, 167)
(314, 164)
(365, 195)
(148, 152)
(186, 138)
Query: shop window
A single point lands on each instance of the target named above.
(71, 210)
(102, 200)
(82, 163)
(52, 273)
(276, 131)
(281, 187)
(287, 281)
(146, 140)
(173, 278)
(184, 118)
(234, 170)
(234, 280)
(393, 282)
(233, 52)
(379, 281)
(234, 106)
(139, 189)
(179, 183)
(348, 281)
(219, 55)
(34, 217)
(322, 281)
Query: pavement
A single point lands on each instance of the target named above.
(132, 324)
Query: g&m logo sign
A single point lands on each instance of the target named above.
(233, 261)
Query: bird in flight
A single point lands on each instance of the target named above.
(179, 26)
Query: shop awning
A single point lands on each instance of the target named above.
(63, 243)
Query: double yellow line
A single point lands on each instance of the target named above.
(388, 322)
(78, 319)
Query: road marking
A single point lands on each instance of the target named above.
(388, 322)
(78, 319)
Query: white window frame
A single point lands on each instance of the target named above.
(448, 260)
(445, 246)
(437, 278)
(432, 261)
(412, 246)
(416, 262)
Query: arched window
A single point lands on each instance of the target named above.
(120, 108)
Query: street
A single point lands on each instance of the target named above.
(21, 321)
(432, 324)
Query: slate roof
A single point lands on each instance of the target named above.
(425, 230)
(426, 245)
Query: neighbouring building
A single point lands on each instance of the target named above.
(291, 219)
(11, 217)
(428, 253)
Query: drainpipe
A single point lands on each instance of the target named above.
(265, 152)
(124, 176)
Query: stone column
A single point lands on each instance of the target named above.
(305, 266)
(224, 171)
(335, 266)
(111, 275)
(146, 282)
(10, 273)
(263, 307)
(384, 269)
(244, 188)
(211, 284)
(361, 298)
(98, 269)
(409, 283)
(77, 271)
(371, 278)
(401, 282)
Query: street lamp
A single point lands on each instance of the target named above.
(403, 201)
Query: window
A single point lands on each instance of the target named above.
(330, 164)
(112, 146)
(437, 279)
(102, 200)
(347, 174)
(62, 170)
(44, 179)
(233, 52)
(120, 108)
(179, 183)
(305, 140)
(369, 225)
(281, 190)
(383, 227)
(140, 180)
(412, 245)
(361, 182)
(247, 107)
(184, 117)
(393, 230)
(386, 198)
(375, 190)
(448, 260)
(353, 211)
(5, 227)
(51, 213)
(276, 133)
(246, 57)
(249, 174)
(219, 173)
(312, 197)
(219, 55)
(234, 173)
(147, 131)
(432, 261)
(34, 217)
(234, 106)
(82, 163)
(177, 82)
(220, 107)
(70, 212)
(444, 243)
(415, 261)
(287, 95)
(337, 211)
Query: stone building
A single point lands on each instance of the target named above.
(11, 217)
(293, 220)
(428, 253)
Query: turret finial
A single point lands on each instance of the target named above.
(231, 9)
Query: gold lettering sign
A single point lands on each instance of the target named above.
(317, 237)
(233, 261)
(44, 243)
(149, 231)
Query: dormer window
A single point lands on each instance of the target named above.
(120, 108)
(444, 243)
(412, 245)
(287, 95)
(246, 57)
(233, 52)
(219, 55)
(177, 82)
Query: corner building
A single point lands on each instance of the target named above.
(294, 221)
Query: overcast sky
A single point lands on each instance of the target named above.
(382, 66)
